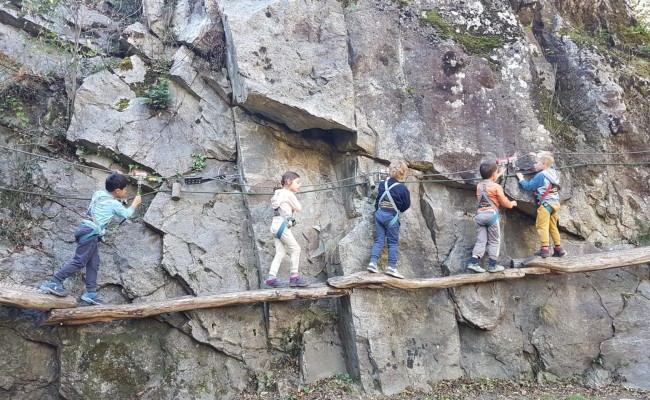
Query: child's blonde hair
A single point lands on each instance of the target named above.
(546, 157)
(397, 170)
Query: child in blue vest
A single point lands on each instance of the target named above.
(285, 204)
(393, 198)
(544, 186)
(488, 234)
(104, 205)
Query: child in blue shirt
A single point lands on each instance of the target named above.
(393, 198)
(104, 205)
(544, 186)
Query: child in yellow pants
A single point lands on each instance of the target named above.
(544, 186)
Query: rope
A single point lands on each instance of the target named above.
(317, 185)
(54, 159)
(462, 181)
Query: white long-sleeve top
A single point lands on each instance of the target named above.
(287, 201)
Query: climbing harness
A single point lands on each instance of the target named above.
(287, 222)
(98, 229)
(542, 200)
(481, 204)
(392, 202)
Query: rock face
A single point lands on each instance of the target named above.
(307, 87)
(335, 92)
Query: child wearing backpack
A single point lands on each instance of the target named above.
(544, 186)
(488, 235)
(393, 198)
(285, 204)
(104, 205)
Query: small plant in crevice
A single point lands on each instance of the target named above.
(126, 64)
(292, 346)
(548, 314)
(161, 67)
(198, 162)
(477, 44)
(122, 104)
(12, 112)
(158, 96)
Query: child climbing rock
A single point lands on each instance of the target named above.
(285, 204)
(544, 186)
(104, 205)
(488, 235)
(393, 198)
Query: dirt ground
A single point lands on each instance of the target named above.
(342, 388)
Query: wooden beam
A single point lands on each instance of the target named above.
(376, 281)
(86, 315)
(588, 262)
(32, 298)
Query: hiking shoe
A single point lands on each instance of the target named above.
(475, 267)
(372, 267)
(495, 268)
(296, 281)
(558, 251)
(542, 252)
(392, 271)
(53, 287)
(273, 284)
(92, 298)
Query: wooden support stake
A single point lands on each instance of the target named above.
(588, 262)
(376, 281)
(176, 191)
(32, 298)
(86, 315)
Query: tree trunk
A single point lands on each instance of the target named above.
(106, 313)
(588, 262)
(32, 298)
(376, 281)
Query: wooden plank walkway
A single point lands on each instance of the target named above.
(63, 309)
(28, 297)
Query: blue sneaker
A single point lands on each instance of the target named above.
(92, 298)
(273, 283)
(372, 267)
(475, 267)
(297, 281)
(53, 287)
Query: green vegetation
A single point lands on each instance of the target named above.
(12, 112)
(158, 96)
(122, 104)
(348, 3)
(198, 162)
(126, 64)
(636, 37)
(480, 45)
(550, 113)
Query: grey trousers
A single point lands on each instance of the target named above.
(85, 256)
(487, 237)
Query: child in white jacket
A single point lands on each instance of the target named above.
(285, 204)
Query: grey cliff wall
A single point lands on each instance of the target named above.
(334, 90)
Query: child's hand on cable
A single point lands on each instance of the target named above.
(136, 201)
(520, 176)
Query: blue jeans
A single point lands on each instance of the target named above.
(382, 233)
(86, 256)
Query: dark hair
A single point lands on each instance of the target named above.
(488, 169)
(289, 175)
(115, 181)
